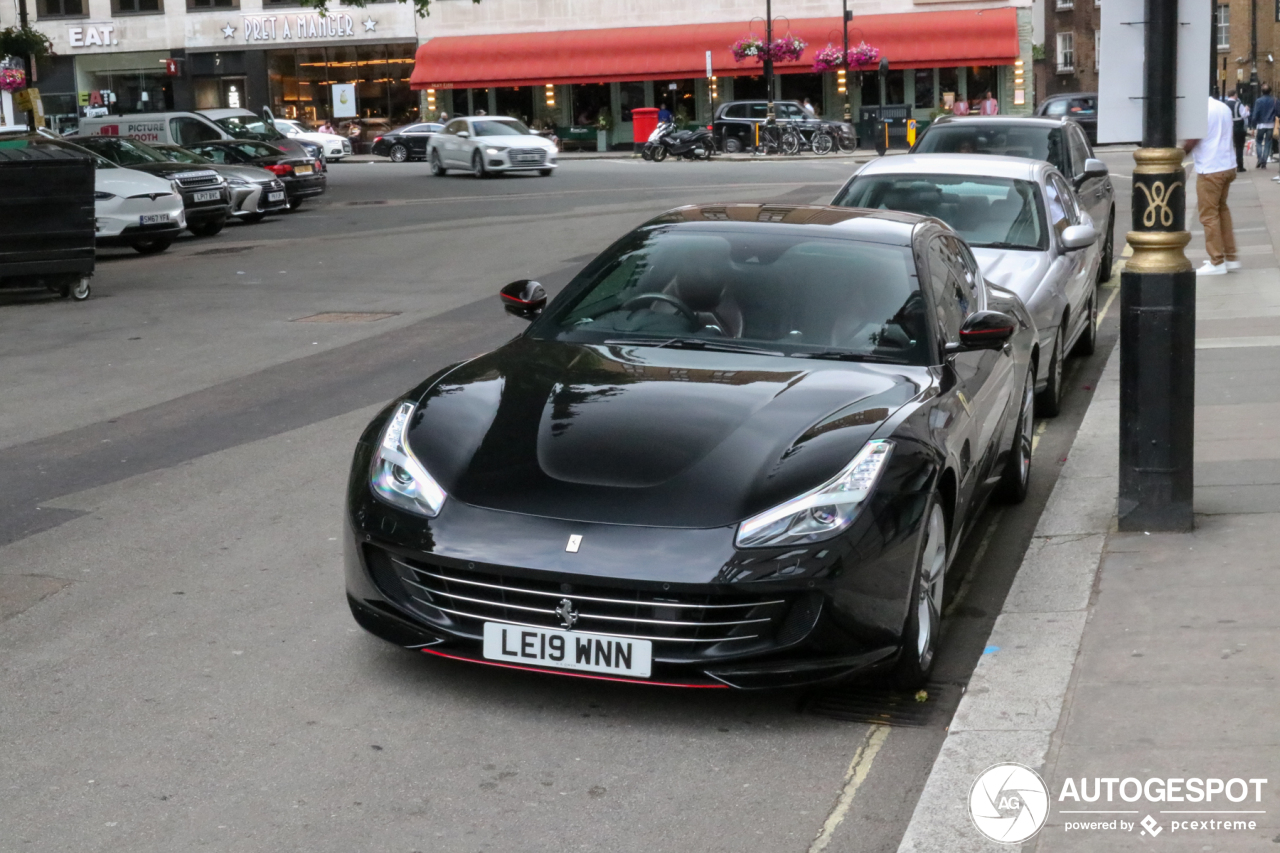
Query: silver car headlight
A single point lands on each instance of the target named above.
(397, 476)
(823, 512)
(237, 182)
(496, 150)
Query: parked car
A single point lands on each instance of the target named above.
(131, 208)
(255, 192)
(1027, 233)
(809, 405)
(735, 122)
(362, 131)
(335, 147)
(406, 143)
(487, 145)
(1059, 141)
(205, 193)
(302, 177)
(244, 124)
(1080, 107)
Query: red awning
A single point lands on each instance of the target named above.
(908, 39)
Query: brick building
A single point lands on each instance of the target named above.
(1235, 23)
(1072, 31)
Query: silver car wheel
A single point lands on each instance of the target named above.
(933, 565)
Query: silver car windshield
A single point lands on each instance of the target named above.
(510, 127)
(987, 212)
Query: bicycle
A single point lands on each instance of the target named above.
(775, 139)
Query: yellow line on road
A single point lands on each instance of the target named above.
(1035, 439)
(1115, 291)
(859, 769)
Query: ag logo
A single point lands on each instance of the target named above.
(1009, 803)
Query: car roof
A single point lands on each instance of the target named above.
(1061, 96)
(986, 165)
(1013, 121)
(228, 113)
(877, 226)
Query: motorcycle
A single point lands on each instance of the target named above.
(689, 144)
(652, 144)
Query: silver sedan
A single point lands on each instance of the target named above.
(1027, 233)
(254, 192)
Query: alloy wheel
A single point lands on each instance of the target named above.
(477, 165)
(437, 168)
(399, 153)
(933, 564)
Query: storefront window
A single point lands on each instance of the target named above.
(895, 87)
(515, 101)
(870, 88)
(457, 101)
(631, 96)
(131, 91)
(589, 100)
(797, 87)
(61, 8)
(679, 97)
(135, 7)
(924, 89)
(301, 82)
(982, 79)
(948, 85)
(479, 102)
(751, 88)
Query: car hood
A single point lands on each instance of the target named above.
(508, 141)
(647, 436)
(129, 182)
(312, 136)
(1014, 269)
(245, 173)
(169, 168)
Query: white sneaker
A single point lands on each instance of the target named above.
(1212, 269)
(1232, 266)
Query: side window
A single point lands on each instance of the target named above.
(454, 126)
(975, 292)
(1079, 151)
(789, 111)
(736, 111)
(758, 111)
(1057, 153)
(188, 131)
(946, 288)
(1061, 207)
(1056, 108)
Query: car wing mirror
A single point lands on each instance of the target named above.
(462, 134)
(1075, 237)
(1095, 168)
(523, 298)
(983, 330)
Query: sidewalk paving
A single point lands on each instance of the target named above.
(1147, 655)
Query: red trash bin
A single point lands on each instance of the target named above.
(644, 120)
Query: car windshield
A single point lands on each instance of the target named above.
(246, 127)
(182, 155)
(126, 152)
(992, 137)
(998, 212)
(772, 289)
(506, 127)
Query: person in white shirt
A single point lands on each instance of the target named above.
(1215, 162)
(808, 109)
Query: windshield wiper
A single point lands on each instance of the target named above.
(693, 343)
(1004, 246)
(841, 355)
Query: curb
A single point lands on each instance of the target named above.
(1016, 694)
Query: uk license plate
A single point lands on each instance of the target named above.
(153, 218)
(302, 170)
(276, 196)
(211, 195)
(547, 647)
(527, 158)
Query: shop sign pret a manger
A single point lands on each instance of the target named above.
(282, 28)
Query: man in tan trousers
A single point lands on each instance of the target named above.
(1215, 163)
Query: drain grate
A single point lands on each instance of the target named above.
(878, 704)
(225, 250)
(347, 317)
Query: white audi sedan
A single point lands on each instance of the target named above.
(484, 145)
(335, 147)
(1026, 231)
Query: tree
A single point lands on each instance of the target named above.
(422, 7)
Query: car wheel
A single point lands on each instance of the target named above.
(1088, 340)
(924, 614)
(153, 246)
(1017, 468)
(253, 217)
(1108, 251)
(1049, 403)
(207, 229)
(477, 166)
(732, 145)
(546, 173)
(295, 203)
(437, 168)
(399, 153)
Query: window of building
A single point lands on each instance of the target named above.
(1222, 19)
(1065, 4)
(137, 7)
(269, 4)
(197, 5)
(924, 88)
(1066, 52)
(1097, 49)
(75, 8)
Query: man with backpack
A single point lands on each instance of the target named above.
(1239, 113)
(1261, 119)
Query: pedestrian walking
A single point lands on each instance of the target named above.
(960, 107)
(1239, 113)
(1262, 118)
(1215, 164)
(664, 114)
(989, 106)
(808, 109)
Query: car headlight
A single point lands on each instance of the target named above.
(823, 512)
(237, 182)
(102, 196)
(496, 150)
(397, 476)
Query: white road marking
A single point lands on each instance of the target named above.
(859, 769)
(1233, 343)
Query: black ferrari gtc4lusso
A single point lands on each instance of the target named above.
(739, 449)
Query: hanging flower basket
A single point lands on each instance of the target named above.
(828, 59)
(863, 55)
(750, 46)
(787, 49)
(24, 41)
(12, 79)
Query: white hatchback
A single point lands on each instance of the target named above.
(483, 145)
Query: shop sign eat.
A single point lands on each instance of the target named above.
(293, 27)
(92, 35)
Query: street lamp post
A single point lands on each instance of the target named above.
(768, 60)
(1157, 308)
(26, 63)
(844, 58)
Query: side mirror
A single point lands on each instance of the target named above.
(983, 330)
(462, 134)
(523, 298)
(1095, 168)
(1075, 237)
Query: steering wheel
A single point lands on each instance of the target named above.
(644, 298)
